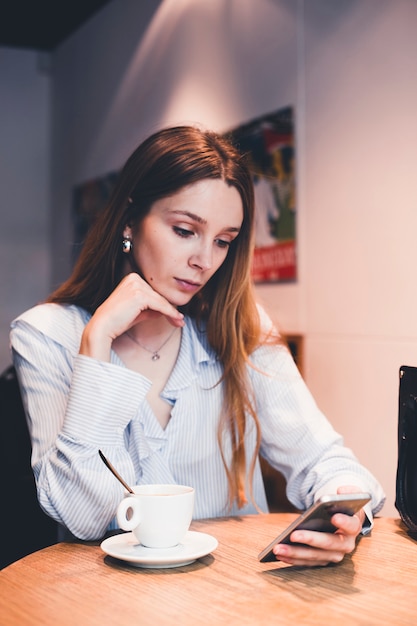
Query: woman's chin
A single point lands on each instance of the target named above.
(178, 299)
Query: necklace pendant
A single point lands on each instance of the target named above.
(155, 353)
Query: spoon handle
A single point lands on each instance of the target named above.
(115, 472)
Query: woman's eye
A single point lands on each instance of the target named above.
(222, 243)
(182, 232)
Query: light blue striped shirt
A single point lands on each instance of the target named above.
(76, 405)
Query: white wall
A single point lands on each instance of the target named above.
(360, 217)
(24, 184)
(349, 68)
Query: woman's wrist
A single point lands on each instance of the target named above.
(95, 343)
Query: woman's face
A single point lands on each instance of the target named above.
(185, 238)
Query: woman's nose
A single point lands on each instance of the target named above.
(202, 259)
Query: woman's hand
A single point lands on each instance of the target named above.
(133, 300)
(321, 548)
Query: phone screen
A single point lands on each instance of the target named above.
(318, 517)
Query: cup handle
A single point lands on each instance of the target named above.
(129, 504)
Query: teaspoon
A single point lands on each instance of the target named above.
(115, 472)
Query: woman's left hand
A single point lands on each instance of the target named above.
(321, 548)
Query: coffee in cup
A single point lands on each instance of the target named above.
(158, 515)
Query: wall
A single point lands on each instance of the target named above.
(349, 68)
(24, 184)
(159, 63)
(360, 217)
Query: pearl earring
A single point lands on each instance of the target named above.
(127, 245)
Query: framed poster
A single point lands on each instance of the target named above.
(268, 142)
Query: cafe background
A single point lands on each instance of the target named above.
(348, 68)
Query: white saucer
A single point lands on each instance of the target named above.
(127, 548)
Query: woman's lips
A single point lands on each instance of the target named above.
(187, 285)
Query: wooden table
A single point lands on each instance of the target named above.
(77, 584)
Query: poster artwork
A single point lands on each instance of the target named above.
(268, 141)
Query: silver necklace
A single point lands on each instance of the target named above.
(155, 353)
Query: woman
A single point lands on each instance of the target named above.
(155, 352)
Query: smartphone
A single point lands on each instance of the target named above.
(317, 517)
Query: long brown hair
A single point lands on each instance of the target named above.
(163, 164)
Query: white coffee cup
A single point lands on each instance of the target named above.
(158, 515)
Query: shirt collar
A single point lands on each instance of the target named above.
(195, 350)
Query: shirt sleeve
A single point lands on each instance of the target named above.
(75, 406)
(298, 440)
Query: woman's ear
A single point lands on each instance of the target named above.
(127, 232)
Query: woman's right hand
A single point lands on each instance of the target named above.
(133, 300)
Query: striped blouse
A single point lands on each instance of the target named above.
(76, 405)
